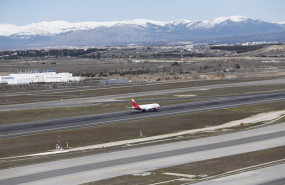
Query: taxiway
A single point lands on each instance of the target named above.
(102, 166)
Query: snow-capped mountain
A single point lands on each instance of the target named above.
(61, 33)
(58, 27)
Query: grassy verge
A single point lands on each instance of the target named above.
(218, 92)
(27, 98)
(209, 167)
(280, 120)
(53, 113)
(31, 115)
(130, 130)
(93, 92)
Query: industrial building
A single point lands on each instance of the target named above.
(46, 76)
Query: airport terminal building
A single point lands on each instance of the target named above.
(46, 76)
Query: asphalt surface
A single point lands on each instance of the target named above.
(91, 100)
(21, 129)
(101, 166)
(273, 175)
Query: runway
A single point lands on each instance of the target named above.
(101, 166)
(21, 129)
(90, 100)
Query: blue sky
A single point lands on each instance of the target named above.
(21, 12)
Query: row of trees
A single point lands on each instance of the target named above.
(51, 53)
(238, 48)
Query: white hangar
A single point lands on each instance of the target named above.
(46, 76)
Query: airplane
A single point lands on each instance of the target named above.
(145, 107)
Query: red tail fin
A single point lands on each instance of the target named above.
(135, 105)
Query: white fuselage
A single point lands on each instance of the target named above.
(149, 106)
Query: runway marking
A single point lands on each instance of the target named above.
(180, 175)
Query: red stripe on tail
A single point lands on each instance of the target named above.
(135, 105)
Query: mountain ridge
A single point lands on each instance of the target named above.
(140, 31)
(58, 27)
